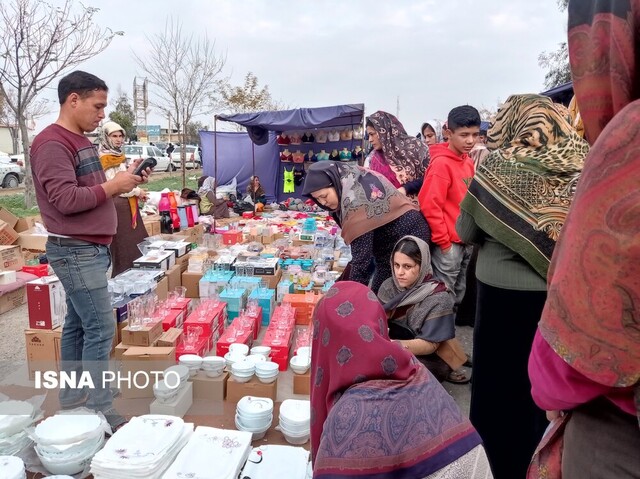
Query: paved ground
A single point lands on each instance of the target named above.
(12, 351)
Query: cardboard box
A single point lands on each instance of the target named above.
(211, 389)
(13, 299)
(152, 224)
(178, 407)
(120, 349)
(11, 258)
(31, 241)
(183, 262)
(156, 260)
(148, 362)
(236, 390)
(191, 281)
(162, 289)
(193, 234)
(117, 338)
(7, 233)
(175, 276)
(25, 224)
(7, 277)
(46, 303)
(272, 279)
(43, 350)
(302, 383)
(145, 336)
(8, 217)
(170, 337)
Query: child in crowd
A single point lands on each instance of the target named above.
(446, 182)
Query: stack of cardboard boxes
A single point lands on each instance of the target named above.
(47, 307)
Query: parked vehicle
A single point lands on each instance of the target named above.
(133, 152)
(192, 158)
(11, 173)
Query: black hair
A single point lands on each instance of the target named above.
(370, 123)
(483, 132)
(410, 248)
(79, 82)
(464, 116)
(426, 125)
(201, 180)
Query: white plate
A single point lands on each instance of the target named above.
(67, 428)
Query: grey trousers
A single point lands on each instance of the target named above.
(451, 268)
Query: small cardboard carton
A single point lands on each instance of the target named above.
(174, 275)
(7, 233)
(156, 259)
(11, 258)
(236, 390)
(43, 350)
(13, 299)
(302, 383)
(142, 366)
(145, 336)
(191, 281)
(8, 217)
(211, 389)
(171, 337)
(178, 407)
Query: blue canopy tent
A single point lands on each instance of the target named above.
(261, 125)
(561, 93)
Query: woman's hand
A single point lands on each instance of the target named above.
(143, 195)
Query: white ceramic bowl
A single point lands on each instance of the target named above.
(293, 438)
(243, 367)
(264, 350)
(231, 358)
(256, 358)
(253, 424)
(15, 416)
(267, 379)
(304, 351)
(191, 360)
(300, 364)
(239, 348)
(69, 466)
(67, 428)
(213, 362)
(296, 411)
(294, 428)
(213, 373)
(241, 379)
(266, 368)
(252, 406)
(180, 370)
(257, 433)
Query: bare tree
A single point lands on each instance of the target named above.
(38, 43)
(557, 62)
(248, 97)
(186, 73)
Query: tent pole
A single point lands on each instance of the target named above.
(215, 164)
(253, 159)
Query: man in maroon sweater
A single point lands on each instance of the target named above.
(76, 207)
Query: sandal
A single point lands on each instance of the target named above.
(457, 377)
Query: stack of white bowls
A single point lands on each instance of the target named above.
(237, 352)
(192, 361)
(174, 378)
(295, 421)
(267, 371)
(15, 416)
(263, 350)
(66, 443)
(254, 415)
(213, 366)
(12, 468)
(300, 364)
(242, 371)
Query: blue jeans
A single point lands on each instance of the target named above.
(89, 326)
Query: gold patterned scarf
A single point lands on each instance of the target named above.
(522, 191)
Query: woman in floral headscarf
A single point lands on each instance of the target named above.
(400, 158)
(131, 230)
(375, 410)
(371, 213)
(585, 359)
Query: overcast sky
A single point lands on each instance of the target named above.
(432, 55)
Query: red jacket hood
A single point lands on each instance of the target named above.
(442, 149)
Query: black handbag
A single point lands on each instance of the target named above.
(400, 331)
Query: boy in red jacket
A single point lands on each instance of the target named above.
(446, 182)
